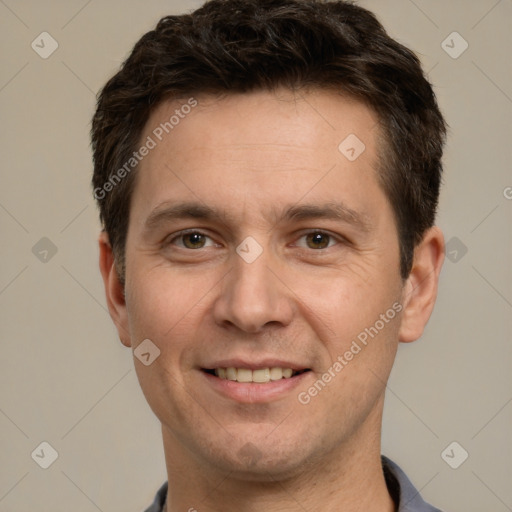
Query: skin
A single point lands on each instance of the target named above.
(304, 299)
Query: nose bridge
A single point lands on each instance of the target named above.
(252, 296)
(253, 279)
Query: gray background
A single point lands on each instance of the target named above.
(66, 379)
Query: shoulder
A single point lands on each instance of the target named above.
(402, 490)
(158, 503)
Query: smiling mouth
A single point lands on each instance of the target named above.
(259, 376)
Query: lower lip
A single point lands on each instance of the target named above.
(251, 392)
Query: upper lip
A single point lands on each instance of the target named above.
(255, 364)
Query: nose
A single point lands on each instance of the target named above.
(254, 296)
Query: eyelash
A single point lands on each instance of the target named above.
(338, 239)
(181, 234)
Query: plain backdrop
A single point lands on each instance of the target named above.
(65, 379)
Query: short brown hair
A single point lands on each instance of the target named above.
(240, 46)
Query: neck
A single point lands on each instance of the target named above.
(350, 478)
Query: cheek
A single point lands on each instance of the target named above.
(357, 322)
(165, 309)
(161, 302)
(346, 301)
(360, 346)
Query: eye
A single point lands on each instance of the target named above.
(318, 240)
(191, 240)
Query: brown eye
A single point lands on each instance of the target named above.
(317, 240)
(193, 240)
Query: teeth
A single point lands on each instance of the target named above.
(244, 375)
(230, 373)
(276, 373)
(262, 375)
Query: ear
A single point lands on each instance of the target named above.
(114, 290)
(420, 289)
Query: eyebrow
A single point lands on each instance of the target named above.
(167, 212)
(330, 211)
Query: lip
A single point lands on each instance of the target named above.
(252, 365)
(253, 393)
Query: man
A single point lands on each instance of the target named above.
(267, 174)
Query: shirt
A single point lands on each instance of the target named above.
(400, 488)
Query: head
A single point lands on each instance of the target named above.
(231, 122)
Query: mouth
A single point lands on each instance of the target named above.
(257, 375)
(266, 380)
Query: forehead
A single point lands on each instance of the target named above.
(299, 118)
(255, 144)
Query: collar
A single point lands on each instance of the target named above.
(404, 494)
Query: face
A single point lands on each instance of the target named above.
(256, 249)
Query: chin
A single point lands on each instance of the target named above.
(260, 461)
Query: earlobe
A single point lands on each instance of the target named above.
(114, 290)
(420, 289)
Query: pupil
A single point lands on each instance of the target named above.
(195, 239)
(319, 239)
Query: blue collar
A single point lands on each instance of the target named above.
(405, 495)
